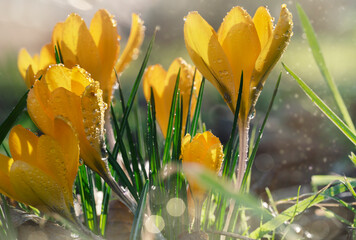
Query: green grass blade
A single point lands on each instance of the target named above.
(135, 86)
(10, 229)
(122, 176)
(167, 145)
(324, 108)
(138, 219)
(232, 142)
(104, 209)
(259, 137)
(154, 133)
(319, 59)
(289, 213)
(10, 120)
(187, 121)
(177, 134)
(193, 129)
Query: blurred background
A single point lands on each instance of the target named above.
(298, 141)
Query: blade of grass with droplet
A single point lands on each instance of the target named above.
(135, 151)
(167, 144)
(260, 132)
(83, 188)
(135, 86)
(323, 107)
(154, 132)
(177, 133)
(10, 120)
(122, 176)
(150, 143)
(91, 198)
(287, 214)
(138, 219)
(193, 129)
(319, 59)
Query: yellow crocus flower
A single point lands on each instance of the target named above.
(242, 44)
(204, 149)
(96, 49)
(42, 169)
(251, 46)
(73, 94)
(162, 83)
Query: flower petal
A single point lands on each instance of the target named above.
(5, 184)
(239, 39)
(58, 76)
(24, 60)
(104, 32)
(273, 50)
(93, 110)
(38, 109)
(133, 44)
(66, 137)
(263, 23)
(207, 54)
(154, 77)
(23, 144)
(78, 47)
(36, 188)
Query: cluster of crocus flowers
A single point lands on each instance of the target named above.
(206, 151)
(162, 83)
(242, 45)
(96, 49)
(73, 94)
(42, 169)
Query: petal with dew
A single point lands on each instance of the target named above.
(273, 50)
(66, 137)
(36, 187)
(207, 54)
(239, 39)
(263, 24)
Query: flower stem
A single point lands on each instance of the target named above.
(244, 126)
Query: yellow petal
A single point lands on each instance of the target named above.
(104, 32)
(58, 76)
(263, 23)
(78, 47)
(80, 79)
(154, 77)
(24, 60)
(93, 110)
(133, 44)
(23, 144)
(38, 109)
(207, 54)
(240, 42)
(5, 184)
(37, 188)
(65, 136)
(30, 76)
(273, 50)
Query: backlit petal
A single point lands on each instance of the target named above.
(78, 47)
(58, 76)
(24, 60)
(154, 77)
(5, 184)
(273, 50)
(23, 144)
(241, 45)
(104, 32)
(263, 23)
(36, 188)
(207, 54)
(133, 44)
